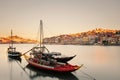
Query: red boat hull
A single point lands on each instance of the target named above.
(62, 68)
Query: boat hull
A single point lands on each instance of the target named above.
(59, 57)
(61, 69)
(14, 54)
(64, 59)
(66, 68)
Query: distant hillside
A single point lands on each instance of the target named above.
(96, 36)
(92, 37)
(16, 39)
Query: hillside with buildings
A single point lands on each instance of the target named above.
(97, 36)
(16, 39)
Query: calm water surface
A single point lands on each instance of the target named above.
(100, 62)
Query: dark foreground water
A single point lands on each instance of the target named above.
(100, 63)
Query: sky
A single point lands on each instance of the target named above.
(59, 16)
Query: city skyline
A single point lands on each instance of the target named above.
(59, 16)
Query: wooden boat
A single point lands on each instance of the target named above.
(13, 53)
(53, 55)
(51, 65)
(40, 61)
(12, 50)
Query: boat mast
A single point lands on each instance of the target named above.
(11, 39)
(41, 34)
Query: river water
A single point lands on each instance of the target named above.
(100, 63)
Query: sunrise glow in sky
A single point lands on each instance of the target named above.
(59, 16)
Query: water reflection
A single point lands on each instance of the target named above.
(12, 67)
(34, 73)
(15, 59)
(100, 62)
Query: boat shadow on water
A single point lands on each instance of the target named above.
(11, 59)
(33, 73)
